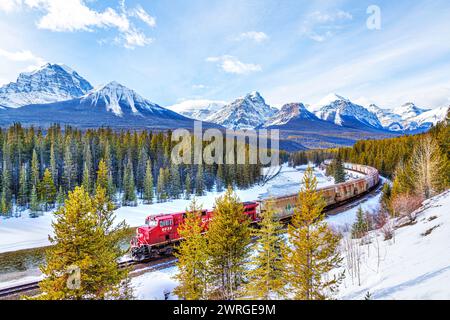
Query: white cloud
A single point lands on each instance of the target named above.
(23, 56)
(231, 64)
(320, 26)
(75, 15)
(256, 36)
(10, 5)
(144, 16)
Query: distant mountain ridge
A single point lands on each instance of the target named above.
(55, 93)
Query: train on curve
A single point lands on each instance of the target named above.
(160, 232)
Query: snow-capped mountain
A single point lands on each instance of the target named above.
(246, 112)
(408, 110)
(112, 105)
(289, 112)
(388, 119)
(50, 83)
(408, 117)
(343, 112)
(197, 109)
(121, 101)
(427, 119)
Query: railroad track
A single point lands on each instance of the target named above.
(137, 269)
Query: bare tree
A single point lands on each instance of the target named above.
(426, 164)
(405, 206)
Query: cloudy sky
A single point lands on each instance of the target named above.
(290, 50)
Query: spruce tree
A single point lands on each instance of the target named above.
(360, 226)
(47, 189)
(86, 183)
(148, 184)
(129, 190)
(187, 187)
(313, 248)
(199, 183)
(161, 186)
(23, 187)
(69, 174)
(175, 182)
(192, 257)
(35, 206)
(60, 197)
(338, 170)
(82, 261)
(35, 169)
(228, 240)
(266, 276)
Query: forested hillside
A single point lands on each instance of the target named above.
(39, 167)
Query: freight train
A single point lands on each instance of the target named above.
(160, 232)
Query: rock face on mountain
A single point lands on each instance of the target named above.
(388, 119)
(197, 109)
(246, 112)
(50, 83)
(343, 112)
(289, 112)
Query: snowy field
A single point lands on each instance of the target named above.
(25, 232)
(410, 266)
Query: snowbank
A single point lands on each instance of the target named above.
(412, 265)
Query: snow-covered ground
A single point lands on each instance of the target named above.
(412, 265)
(25, 232)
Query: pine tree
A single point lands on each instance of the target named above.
(60, 197)
(338, 170)
(219, 178)
(86, 243)
(69, 175)
(23, 186)
(175, 182)
(187, 187)
(313, 248)
(102, 175)
(47, 189)
(53, 165)
(34, 169)
(129, 190)
(161, 186)
(6, 196)
(35, 206)
(86, 183)
(267, 273)
(148, 184)
(228, 241)
(192, 257)
(199, 183)
(360, 226)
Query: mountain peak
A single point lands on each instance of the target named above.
(49, 83)
(289, 112)
(247, 112)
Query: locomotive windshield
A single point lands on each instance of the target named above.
(151, 222)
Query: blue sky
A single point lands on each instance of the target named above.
(290, 51)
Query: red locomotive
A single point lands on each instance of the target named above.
(160, 232)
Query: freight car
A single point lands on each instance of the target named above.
(160, 232)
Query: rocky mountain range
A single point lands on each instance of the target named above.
(56, 93)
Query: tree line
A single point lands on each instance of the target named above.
(39, 167)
